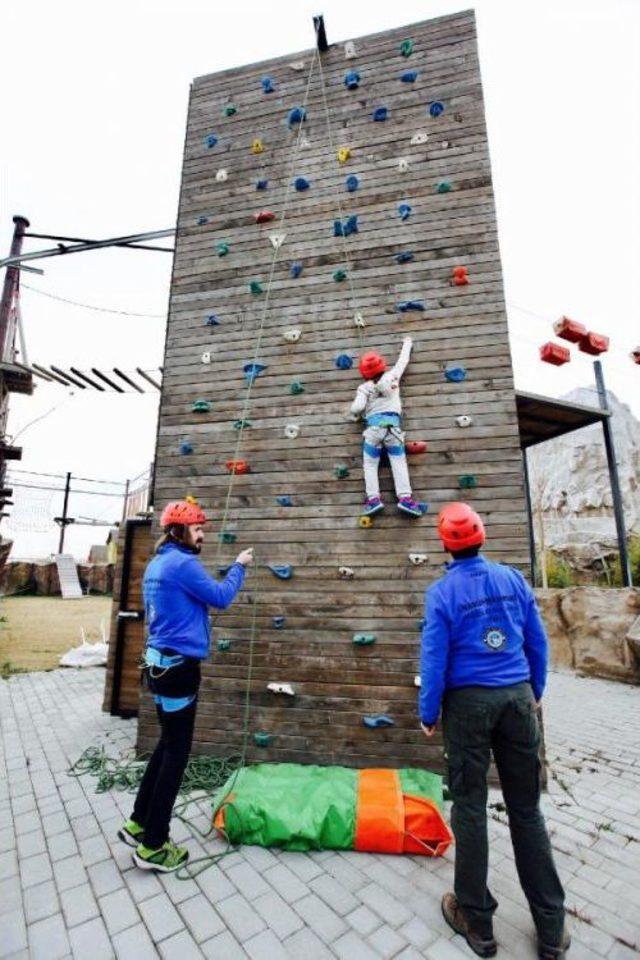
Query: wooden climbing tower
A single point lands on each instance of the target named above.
(234, 296)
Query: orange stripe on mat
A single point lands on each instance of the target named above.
(379, 812)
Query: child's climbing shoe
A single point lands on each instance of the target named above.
(166, 859)
(410, 506)
(372, 505)
(131, 833)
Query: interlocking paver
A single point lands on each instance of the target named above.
(201, 919)
(48, 939)
(78, 905)
(91, 939)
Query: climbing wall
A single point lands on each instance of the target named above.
(264, 333)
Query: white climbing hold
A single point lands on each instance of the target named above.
(417, 559)
(403, 164)
(221, 175)
(277, 239)
(297, 65)
(291, 431)
(293, 335)
(445, 144)
(346, 573)
(464, 420)
(206, 356)
(418, 138)
(304, 143)
(358, 320)
(350, 50)
(285, 688)
(417, 680)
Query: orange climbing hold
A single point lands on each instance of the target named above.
(237, 466)
(460, 277)
(265, 216)
(555, 354)
(594, 344)
(416, 446)
(569, 330)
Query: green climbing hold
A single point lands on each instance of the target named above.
(201, 406)
(406, 48)
(262, 739)
(339, 276)
(242, 424)
(444, 186)
(224, 644)
(255, 287)
(230, 110)
(363, 639)
(341, 471)
(296, 388)
(227, 537)
(222, 248)
(468, 481)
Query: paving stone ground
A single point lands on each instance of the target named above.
(68, 887)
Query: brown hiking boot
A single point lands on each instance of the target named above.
(454, 916)
(546, 952)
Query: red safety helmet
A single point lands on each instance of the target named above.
(371, 364)
(182, 511)
(460, 527)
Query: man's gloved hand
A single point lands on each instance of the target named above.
(246, 557)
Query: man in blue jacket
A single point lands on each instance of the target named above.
(177, 594)
(484, 662)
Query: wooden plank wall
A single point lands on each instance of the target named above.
(335, 682)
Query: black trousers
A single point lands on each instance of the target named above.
(162, 778)
(476, 721)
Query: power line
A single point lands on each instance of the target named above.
(89, 493)
(88, 306)
(62, 476)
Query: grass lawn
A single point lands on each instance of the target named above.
(36, 631)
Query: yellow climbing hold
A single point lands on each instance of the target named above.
(365, 522)
(257, 146)
(343, 154)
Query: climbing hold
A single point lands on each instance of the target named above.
(267, 85)
(284, 501)
(222, 248)
(265, 216)
(416, 446)
(554, 354)
(419, 138)
(339, 276)
(460, 277)
(256, 288)
(295, 269)
(253, 370)
(363, 639)
(200, 406)
(405, 306)
(262, 739)
(444, 186)
(237, 467)
(224, 570)
(405, 257)
(594, 344)
(409, 76)
(464, 420)
(283, 571)
(202, 220)
(343, 154)
(343, 361)
(224, 645)
(352, 183)
(345, 229)
(404, 211)
(297, 115)
(358, 320)
(403, 165)
(277, 239)
(417, 680)
(301, 183)
(257, 146)
(221, 176)
(304, 142)
(467, 481)
(365, 522)
(225, 536)
(352, 80)
(341, 471)
(346, 573)
(262, 184)
(417, 559)
(186, 447)
(455, 374)
(420, 624)
(277, 622)
(635, 355)
(378, 721)
(406, 48)
(292, 335)
(445, 144)
(349, 50)
(206, 356)
(458, 117)
(210, 140)
(569, 330)
(211, 321)
(230, 110)
(296, 388)
(380, 114)
(291, 431)
(436, 108)
(285, 688)
(297, 65)
(242, 424)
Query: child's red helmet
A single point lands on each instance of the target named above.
(182, 511)
(460, 527)
(371, 364)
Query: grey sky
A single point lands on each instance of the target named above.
(93, 123)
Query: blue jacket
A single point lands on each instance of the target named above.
(481, 628)
(177, 591)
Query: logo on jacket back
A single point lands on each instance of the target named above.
(495, 638)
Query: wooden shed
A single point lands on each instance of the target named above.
(430, 153)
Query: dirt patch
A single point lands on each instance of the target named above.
(36, 631)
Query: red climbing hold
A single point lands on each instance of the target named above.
(554, 353)
(569, 330)
(237, 466)
(460, 277)
(635, 355)
(265, 216)
(594, 344)
(416, 446)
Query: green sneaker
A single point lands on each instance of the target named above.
(165, 860)
(131, 833)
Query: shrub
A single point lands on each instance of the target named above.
(633, 547)
(559, 573)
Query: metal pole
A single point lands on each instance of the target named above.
(63, 518)
(527, 497)
(125, 504)
(618, 509)
(10, 281)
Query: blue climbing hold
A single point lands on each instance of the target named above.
(267, 85)
(421, 624)
(223, 571)
(352, 183)
(284, 501)
(186, 447)
(455, 374)
(409, 76)
(301, 183)
(377, 721)
(380, 114)
(278, 623)
(297, 115)
(404, 211)
(211, 321)
(211, 140)
(345, 229)
(295, 269)
(253, 370)
(406, 305)
(262, 184)
(352, 80)
(202, 220)
(405, 257)
(283, 571)
(436, 108)
(343, 361)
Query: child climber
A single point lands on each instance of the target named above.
(378, 401)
